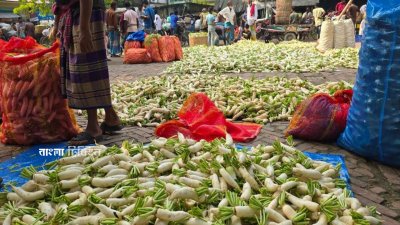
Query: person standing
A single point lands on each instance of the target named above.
(363, 12)
(340, 7)
(174, 23)
(230, 16)
(84, 70)
(140, 14)
(252, 16)
(112, 29)
(203, 19)
(29, 29)
(212, 35)
(353, 13)
(307, 16)
(148, 17)
(158, 23)
(20, 28)
(131, 21)
(318, 14)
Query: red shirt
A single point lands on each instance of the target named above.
(340, 6)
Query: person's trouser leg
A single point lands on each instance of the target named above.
(211, 35)
(253, 32)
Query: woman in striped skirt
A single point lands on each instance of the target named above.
(84, 70)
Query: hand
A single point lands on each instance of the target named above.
(85, 41)
(53, 34)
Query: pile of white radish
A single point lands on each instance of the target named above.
(154, 100)
(181, 181)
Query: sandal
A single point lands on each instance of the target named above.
(84, 138)
(110, 129)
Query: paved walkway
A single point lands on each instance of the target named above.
(373, 184)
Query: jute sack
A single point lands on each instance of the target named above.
(350, 33)
(326, 38)
(340, 34)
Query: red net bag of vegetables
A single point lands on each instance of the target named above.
(151, 44)
(137, 56)
(34, 109)
(167, 48)
(178, 48)
(321, 117)
(132, 44)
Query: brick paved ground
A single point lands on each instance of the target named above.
(373, 183)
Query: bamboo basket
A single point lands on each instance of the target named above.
(202, 40)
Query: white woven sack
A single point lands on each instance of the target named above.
(340, 34)
(326, 38)
(350, 33)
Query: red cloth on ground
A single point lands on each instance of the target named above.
(200, 119)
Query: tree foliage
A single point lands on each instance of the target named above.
(27, 7)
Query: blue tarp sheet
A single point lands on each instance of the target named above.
(10, 169)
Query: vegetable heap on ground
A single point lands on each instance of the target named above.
(250, 56)
(155, 100)
(180, 181)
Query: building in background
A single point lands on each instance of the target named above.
(6, 11)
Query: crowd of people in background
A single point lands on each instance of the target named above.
(220, 24)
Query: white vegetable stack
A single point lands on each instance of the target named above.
(251, 56)
(155, 100)
(181, 181)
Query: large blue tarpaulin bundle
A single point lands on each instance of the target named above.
(373, 123)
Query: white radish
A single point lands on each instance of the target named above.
(149, 156)
(117, 172)
(274, 215)
(246, 192)
(190, 182)
(228, 139)
(244, 212)
(197, 221)
(47, 209)
(288, 211)
(69, 174)
(161, 222)
(164, 167)
(118, 202)
(159, 143)
(215, 181)
(137, 157)
(336, 221)
(30, 186)
(106, 193)
(185, 193)
(348, 220)
(107, 181)
(40, 178)
(307, 173)
(13, 197)
(71, 159)
(223, 202)
(85, 220)
(28, 196)
(329, 173)
(82, 200)
(288, 185)
(173, 216)
(228, 179)
(168, 154)
(323, 220)
(110, 213)
(73, 195)
(270, 185)
(236, 220)
(312, 206)
(196, 147)
(68, 184)
(28, 219)
(372, 220)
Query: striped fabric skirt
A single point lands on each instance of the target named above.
(85, 78)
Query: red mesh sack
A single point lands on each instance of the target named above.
(178, 48)
(137, 56)
(321, 117)
(18, 45)
(34, 109)
(199, 118)
(151, 44)
(166, 45)
(132, 44)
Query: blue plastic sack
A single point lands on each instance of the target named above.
(373, 123)
(136, 36)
